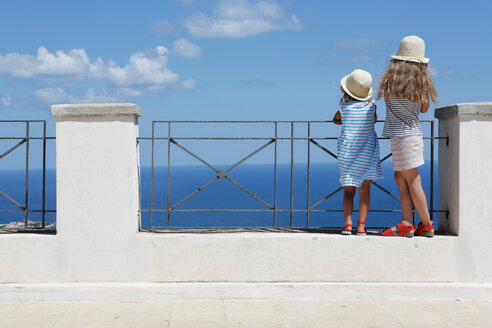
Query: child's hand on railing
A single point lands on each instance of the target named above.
(337, 118)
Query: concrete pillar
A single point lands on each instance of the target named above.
(465, 184)
(97, 186)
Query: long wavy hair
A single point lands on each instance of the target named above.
(407, 80)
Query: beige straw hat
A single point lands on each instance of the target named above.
(412, 48)
(358, 84)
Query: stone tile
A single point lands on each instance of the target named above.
(197, 313)
(306, 313)
(416, 314)
(255, 313)
(6, 309)
(486, 304)
(248, 313)
(35, 314)
(147, 314)
(465, 313)
(94, 314)
(362, 313)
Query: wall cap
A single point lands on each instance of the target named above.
(90, 110)
(477, 108)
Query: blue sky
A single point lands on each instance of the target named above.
(228, 59)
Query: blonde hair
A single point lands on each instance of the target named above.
(407, 80)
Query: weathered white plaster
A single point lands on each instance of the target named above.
(95, 110)
(238, 290)
(465, 185)
(98, 240)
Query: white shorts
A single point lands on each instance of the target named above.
(408, 152)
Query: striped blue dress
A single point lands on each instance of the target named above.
(358, 146)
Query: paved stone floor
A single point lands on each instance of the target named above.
(248, 313)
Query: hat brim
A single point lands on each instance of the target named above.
(421, 60)
(343, 83)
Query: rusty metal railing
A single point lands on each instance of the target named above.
(23, 206)
(272, 140)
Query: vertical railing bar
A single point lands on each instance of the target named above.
(139, 179)
(26, 210)
(432, 209)
(275, 180)
(291, 173)
(44, 177)
(308, 172)
(168, 172)
(432, 172)
(152, 179)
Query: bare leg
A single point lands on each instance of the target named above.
(364, 202)
(419, 200)
(348, 203)
(405, 201)
(405, 198)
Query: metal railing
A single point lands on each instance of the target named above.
(23, 206)
(175, 141)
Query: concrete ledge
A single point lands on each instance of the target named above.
(478, 108)
(81, 110)
(172, 291)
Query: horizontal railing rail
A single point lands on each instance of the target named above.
(174, 140)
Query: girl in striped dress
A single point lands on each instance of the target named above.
(407, 87)
(358, 147)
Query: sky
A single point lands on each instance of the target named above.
(229, 59)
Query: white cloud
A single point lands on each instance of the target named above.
(146, 71)
(6, 100)
(435, 72)
(129, 92)
(149, 68)
(189, 84)
(162, 28)
(59, 95)
(51, 95)
(45, 63)
(143, 70)
(185, 48)
(94, 96)
(241, 18)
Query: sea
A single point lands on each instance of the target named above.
(224, 194)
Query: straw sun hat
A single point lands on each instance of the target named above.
(412, 49)
(358, 85)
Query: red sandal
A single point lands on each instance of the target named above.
(425, 230)
(401, 230)
(347, 232)
(360, 233)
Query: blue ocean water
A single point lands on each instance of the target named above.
(222, 194)
(259, 179)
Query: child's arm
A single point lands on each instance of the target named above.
(337, 118)
(375, 113)
(425, 106)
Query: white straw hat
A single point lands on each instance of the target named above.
(412, 48)
(358, 84)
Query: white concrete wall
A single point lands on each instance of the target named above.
(465, 184)
(98, 238)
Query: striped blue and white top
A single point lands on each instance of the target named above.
(402, 118)
(358, 146)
